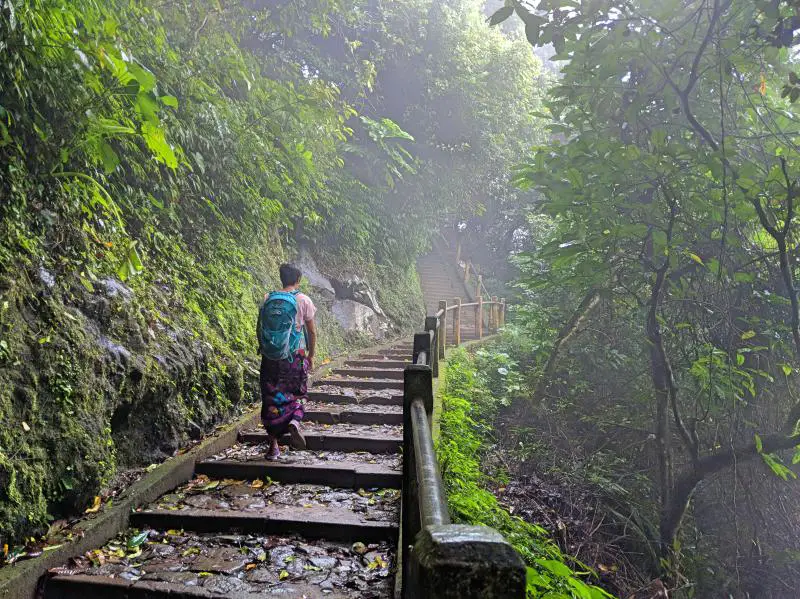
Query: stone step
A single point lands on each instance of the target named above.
(177, 564)
(330, 413)
(205, 505)
(81, 586)
(404, 357)
(371, 373)
(344, 474)
(334, 524)
(360, 383)
(440, 282)
(397, 355)
(355, 399)
(376, 363)
(350, 438)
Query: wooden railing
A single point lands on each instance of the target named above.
(440, 559)
(489, 317)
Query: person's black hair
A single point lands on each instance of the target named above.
(290, 274)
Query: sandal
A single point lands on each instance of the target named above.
(274, 452)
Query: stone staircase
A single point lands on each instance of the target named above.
(440, 280)
(322, 522)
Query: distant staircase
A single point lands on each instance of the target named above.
(444, 276)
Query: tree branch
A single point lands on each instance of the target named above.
(708, 465)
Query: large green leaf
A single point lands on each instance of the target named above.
(154, 137)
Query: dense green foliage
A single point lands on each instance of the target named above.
(159, 160)
(475, 389)
(664, 233)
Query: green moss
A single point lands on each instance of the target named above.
(469, 406)
(96, 375)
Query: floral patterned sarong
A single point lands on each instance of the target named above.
(284, 386)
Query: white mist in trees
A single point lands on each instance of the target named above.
(678, 157)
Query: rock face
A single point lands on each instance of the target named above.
(353, 316)
(354, 303)
(322, 286)
(357, 289)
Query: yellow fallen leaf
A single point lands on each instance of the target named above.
(250, 566)
(378, 562)
(257, 484)
(95, 506)
(283, 575)
(25, 427)
(205, 574)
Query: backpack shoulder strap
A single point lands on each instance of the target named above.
(283, 295)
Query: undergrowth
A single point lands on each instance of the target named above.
(469, 409)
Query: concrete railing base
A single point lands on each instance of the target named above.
(458, 561)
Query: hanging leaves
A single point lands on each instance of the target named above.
(501, 15)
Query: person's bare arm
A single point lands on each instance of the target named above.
(311, 328)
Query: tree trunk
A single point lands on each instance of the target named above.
(661, 376)
(587, 304)
(685, 484)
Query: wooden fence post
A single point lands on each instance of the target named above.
(466, 272)
(478, 287)
(495, 313)
(457, 323)
(443, 329)
(502, 311)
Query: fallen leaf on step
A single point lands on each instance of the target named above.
(378, 562)
(95, 506)
(359, 547)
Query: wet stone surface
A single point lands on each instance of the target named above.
(357, 369)
(248, 453)
(382, 431)
(356, 394)
(346, 377)
(255, 496)
(244, 564)
(319, 406)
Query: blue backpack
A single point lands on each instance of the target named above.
(278, 337)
